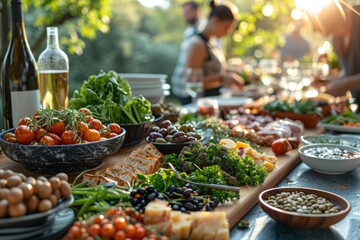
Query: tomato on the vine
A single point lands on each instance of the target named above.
(92, 135)
(104, 133)
(24, 134)
(68, 137)
(131, 231)
(84, 110)
(39, 133)
(12, 139)
(24, 121)
(95, 124)
(46, 140)
(7, 135)
(115, 128)
(56, 138)
(57, 127)
(82, 128)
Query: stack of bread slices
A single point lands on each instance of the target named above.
(141, 161)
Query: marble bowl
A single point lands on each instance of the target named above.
(303, 220)
(61, 158)
(327, 165)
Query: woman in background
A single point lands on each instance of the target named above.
(202, 54)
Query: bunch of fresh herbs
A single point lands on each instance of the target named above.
(109, 98)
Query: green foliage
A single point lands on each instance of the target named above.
(80, 19)
(109, 98)
(299, 107)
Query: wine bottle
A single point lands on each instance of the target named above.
(19, 75)
(53, 73)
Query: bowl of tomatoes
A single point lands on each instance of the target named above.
(54, 141)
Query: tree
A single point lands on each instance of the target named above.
(79, 20)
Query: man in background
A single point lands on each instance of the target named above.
(178, 82)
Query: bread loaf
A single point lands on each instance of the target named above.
(152, 150)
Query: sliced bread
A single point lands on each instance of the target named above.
(127, 168)
(139, 165)
(152, 150)
(126, 176)
(105, 173)
(146, 158)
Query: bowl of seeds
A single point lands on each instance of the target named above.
(307, 208)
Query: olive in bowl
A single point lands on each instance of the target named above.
(300, 207)
(330, 159)
(169, 138)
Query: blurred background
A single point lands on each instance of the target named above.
(144, 36)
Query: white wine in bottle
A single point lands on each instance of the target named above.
(19, 75)
(53, 73)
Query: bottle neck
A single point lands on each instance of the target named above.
(52, 37)
(18, 26)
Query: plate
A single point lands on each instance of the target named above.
(345, 140)
(34, 219)
(339, 128)
(57, 228)
(232, 101)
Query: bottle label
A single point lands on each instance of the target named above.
(24, 104)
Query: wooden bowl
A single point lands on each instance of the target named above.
(302, 220)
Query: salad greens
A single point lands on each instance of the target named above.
(108, 97)
(300, 107)
(344, 117)
(236, 170)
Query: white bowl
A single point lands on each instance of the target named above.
(327, 165)
(344, 140)
(140, 78)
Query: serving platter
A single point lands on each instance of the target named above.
(339, 128)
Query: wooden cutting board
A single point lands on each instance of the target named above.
(235, 210)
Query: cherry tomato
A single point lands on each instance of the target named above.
(56, 138)
(82, 128)
(24, 121)
(108, 230)
(57, 127)
(96, 124)
(131, 231)
(68, 137)
(75, 232)
(94, 229)
(88, 118)
(7, 135)
(112, 135)
(140, 232)
(104, 133)
(92, 135)
(46, 140)
(24, 134)
(115, 128)
(39, 133)
(120, 235)
(99, 218)
(119, 223)
(12, 139)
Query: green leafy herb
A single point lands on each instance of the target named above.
(213, 175)
(344, 117)
(109, 98)
(300, 107)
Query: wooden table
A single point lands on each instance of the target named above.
(235, 210)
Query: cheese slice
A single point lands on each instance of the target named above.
(181, 225)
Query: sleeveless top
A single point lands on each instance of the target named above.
(213, 63)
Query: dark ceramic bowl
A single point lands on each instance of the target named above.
(136, 132)
(61, 158)
(303, 220)
(169, 148)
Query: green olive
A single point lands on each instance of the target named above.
(160, 140)
(169, 138)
